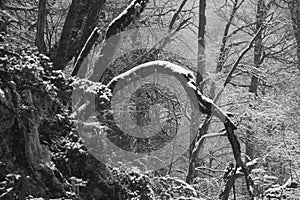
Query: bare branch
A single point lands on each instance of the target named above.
(229, 76)
(176, 14)
(222, 53)
(85, 50)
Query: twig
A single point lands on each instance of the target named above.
(222, 53)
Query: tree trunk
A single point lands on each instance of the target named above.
(195, 149)
(39, 38)
(258, 52)
(109, 45)
(201, 44)
(81, 20)
(3, 20)
(294, 6)
(195, 117)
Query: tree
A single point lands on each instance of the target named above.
(206, 106)
(41, 22)
(201, 43)
(294, 7)
(201, 72)
(132, 12)
(258, 60)
(122, 24)
(256, 78)
(81, 20)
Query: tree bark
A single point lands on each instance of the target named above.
(81, 20)
(294, 6)
(195, 149)
(201, 43)
(39, 38)
(195, 117)
(33, 147)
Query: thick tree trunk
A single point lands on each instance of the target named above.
(33, 146)
(81, 20)
(39, 38)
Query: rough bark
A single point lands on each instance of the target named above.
(21, 146)
(39, 38)
(33, 147)
(81, 20)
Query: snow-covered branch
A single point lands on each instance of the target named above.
(110, 44)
